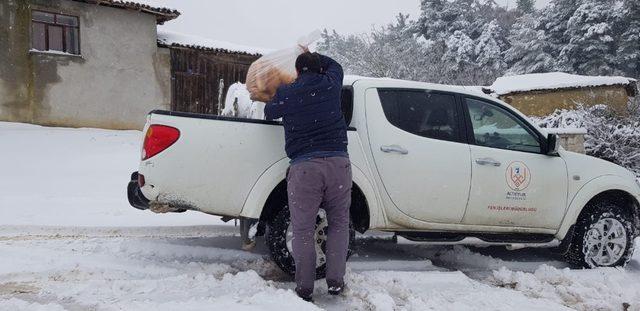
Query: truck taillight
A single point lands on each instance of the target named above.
(158, 139)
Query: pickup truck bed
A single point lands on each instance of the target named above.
(236, 151)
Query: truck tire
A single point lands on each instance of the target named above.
(279, 236)
(603, 237)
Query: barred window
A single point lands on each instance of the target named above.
(55, 32)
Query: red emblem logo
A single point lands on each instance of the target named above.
(518, 176)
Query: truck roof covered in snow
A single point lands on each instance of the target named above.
(471, 90)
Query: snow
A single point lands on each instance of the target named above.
(130, 274)
(583, 290)
(70, 241)
(171, 38)
(74, 177)
(211, 272)
(52, 52)
(238, 103)
(551, 81)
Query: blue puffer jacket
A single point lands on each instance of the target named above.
(311, 112)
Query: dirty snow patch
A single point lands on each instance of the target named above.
(599, 289)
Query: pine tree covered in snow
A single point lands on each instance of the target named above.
(530, 50)
(591, 46)
(554, 18)
(347, 50)
(396, 53)
(526, 6)
(475, 41)
(392, 51)
(448, 26)
(436, 19)
(628, 53)
(459, 52)
(489, 49)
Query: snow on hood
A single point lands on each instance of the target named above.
(170, 38)
(551, 81)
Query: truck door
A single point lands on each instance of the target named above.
(513, 183)
(419, 151)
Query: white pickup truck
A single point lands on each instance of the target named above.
(430, 163)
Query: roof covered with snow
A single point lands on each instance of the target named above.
(169, 39)
(552, 81)
(154, 7)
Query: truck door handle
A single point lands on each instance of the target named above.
(488, 161)
(394, 149)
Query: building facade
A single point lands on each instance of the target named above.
(104, 64)
(82, 64)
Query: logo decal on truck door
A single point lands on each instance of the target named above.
(518, 176)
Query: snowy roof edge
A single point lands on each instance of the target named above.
(528, 82)
(174, 39)
(163, 14)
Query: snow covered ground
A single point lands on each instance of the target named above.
(73, 177)
(69, 241)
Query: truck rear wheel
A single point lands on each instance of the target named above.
(603, 238)
(280, 235)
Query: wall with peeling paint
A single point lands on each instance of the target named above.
(120, 76)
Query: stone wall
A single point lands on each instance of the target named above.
(545, 102)
(119, 77)
(570, 139)
(572, 142)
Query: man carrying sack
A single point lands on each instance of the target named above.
(319, 175)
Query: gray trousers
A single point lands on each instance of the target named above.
(319, 183)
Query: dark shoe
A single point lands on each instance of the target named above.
(305, 294)
(335, 288)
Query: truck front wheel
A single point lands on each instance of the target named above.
(279, 240)
(604, 237)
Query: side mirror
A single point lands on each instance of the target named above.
(553, 144)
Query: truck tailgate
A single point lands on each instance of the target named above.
(216, 161)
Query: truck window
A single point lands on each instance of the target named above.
(496, 128)
(427, 114)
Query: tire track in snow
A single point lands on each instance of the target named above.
(383, 275)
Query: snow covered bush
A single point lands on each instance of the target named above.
(392, 51)
(610, 136)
